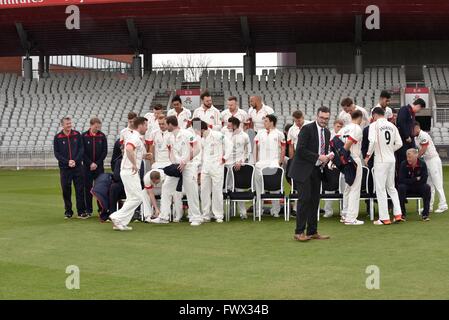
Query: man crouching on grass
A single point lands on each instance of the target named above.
(132, 160)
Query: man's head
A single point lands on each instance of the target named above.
(378, 113)
(412, 156)
(322, 117)
(95, 125)
(348, 105)
(158, 109)
(176, 102)
(232, 104)
(270, 121)
(417, 128)
(233, 123)
(140, 124)
(66, 124)
(255, 101)
(162, 123)
(384, 99)
(338, 124)
(357, 117)
(131, 117)
(206, 99)
(172, 123)
(298, 117)
(418, 104)
(199, 126)
(155, 177)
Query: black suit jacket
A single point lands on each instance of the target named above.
(306, 154)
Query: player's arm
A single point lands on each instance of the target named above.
(372, 141)
(227, 147)
(131, 154)
(397, 140)
(283, 149)
(422, 149)
(256, 148)
(104, 150)
(153, 200)
(58, 153)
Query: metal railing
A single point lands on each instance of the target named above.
(30, 157)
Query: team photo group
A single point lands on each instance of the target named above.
(166, 163)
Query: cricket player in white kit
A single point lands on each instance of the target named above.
(182, 114)
(384, 141)
(152, 117)
(384, 102)
(233, 110)
(257, 113)
(269, 151)
(352, 136)
(183, 148)
(153, 181)
(293, 132)
(428, 151)
(208, 113)
(129, 129)
(241, 149)
(132, 160)
(216, 150)
(348, 108)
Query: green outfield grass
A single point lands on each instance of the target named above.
(236, 260)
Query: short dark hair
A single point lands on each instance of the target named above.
(356, 114)
(132, 115)
(176, 98)
(138, 121)
(233, 98)
(379, 111)
(419, 101)
(417, 124)
(205, 94)
(94, 120)
(272, 118)
(235, 121)
(346, 102)
(203, 124)
(385, 94)
(287, 127)
(323, 109)
(158, 107)
(172, 120)
(298, 114)
(155, 175)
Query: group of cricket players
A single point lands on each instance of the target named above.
(184, 155)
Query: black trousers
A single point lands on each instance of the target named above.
(116, 192)
(421, 190)
(68, 176)
(308, 202)
(89, 178)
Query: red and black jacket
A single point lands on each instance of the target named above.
(68, 147)
(408, 174)
(95, 148)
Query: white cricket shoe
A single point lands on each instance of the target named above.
(158, 220)
(440, 210)
(328, 214)
(219, 220)
(342, 219)
(354, 223)
(127, 228)
(206, 220)
(195, 223)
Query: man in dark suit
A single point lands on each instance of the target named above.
(307, 170)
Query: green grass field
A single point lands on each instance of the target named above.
(236, 260)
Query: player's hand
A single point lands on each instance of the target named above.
(181, 166)
(157, 212)
(237, 166)
(93, 166)
(409, 140)
(72, 163)
(418, 178)
(134, 170)
(324, 159)
(149, 156)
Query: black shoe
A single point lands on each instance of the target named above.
(425, 218)
(322, 211)
(83, 216)
(89, 214)
(68, 214)
(293, 213)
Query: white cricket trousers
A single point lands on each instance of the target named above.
(435, 180)
(134, 197)
(384, 176)
(212, 190)
(190, 186)
(351, 195)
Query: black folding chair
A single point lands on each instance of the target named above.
(331, 190)
(241, 179)
(273, 181)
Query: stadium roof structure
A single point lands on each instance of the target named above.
(195, 26)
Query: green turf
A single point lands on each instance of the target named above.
(236, 260)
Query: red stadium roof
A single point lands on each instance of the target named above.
(174, 26)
